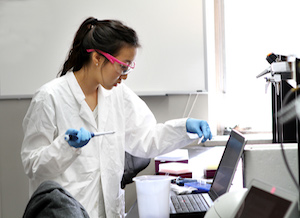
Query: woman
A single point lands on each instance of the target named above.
(89, 97)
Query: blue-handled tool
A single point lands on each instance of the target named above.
(93, 134)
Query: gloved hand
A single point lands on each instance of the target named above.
(200, 127)
(79, 138)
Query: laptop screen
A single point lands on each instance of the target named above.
(225, 172)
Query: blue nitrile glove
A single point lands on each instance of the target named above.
(200, 127)
(79, 138)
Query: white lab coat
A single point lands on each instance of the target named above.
(92, 174)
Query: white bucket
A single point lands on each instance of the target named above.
(153, 196)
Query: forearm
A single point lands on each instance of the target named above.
(160, 138)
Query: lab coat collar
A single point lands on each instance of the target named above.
(103, 99)
(75, 88)
(85, 111)
(105, 93)
(77, 91)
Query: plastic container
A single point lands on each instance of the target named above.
(153, 192)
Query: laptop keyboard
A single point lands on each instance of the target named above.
(189, 203)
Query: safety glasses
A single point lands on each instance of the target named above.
(121, 67)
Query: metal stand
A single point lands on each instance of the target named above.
(288, 132)
(283, 74)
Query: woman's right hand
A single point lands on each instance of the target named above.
(78, 138)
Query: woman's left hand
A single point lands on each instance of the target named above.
(200, 127)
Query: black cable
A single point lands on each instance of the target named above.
(290, 92)
(288, 166)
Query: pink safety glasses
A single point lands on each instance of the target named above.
(120, 66)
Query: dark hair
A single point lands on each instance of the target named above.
(106, 35)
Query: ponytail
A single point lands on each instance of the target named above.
(106, 35)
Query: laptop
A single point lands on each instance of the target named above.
(263, 200)
(189, 205)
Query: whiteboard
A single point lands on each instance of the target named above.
(36, 36)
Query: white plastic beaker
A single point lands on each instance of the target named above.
(153, 192)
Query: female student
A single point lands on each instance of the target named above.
(89, 97)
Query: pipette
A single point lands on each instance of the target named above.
(93, 134)
(200, 140)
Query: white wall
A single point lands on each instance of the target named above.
(171, 59)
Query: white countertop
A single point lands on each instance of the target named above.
(220, 140)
